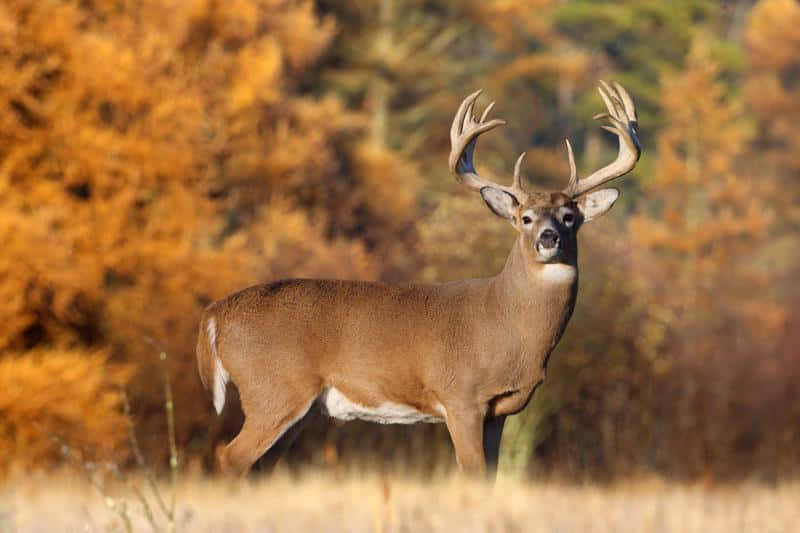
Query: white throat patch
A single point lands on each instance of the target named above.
(558, 273)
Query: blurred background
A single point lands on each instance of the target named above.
(157, 155)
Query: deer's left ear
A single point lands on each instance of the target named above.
(596, 203)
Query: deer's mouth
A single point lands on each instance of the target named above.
(548, 245)
(547, 255)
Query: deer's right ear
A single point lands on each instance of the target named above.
(500, 202)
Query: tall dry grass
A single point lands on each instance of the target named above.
(371, 504)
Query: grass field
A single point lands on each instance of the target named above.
(321, 503)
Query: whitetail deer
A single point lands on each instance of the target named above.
(466, 353)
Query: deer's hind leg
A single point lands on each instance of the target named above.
(267, 463)
(264, 425)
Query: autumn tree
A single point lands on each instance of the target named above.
(689, 327)
(157, 156)
(773, 46)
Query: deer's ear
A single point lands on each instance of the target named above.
(500, 202)
(596, 203)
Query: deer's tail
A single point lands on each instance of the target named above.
(213, 375)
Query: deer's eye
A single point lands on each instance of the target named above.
(526, 220)
(569, 219)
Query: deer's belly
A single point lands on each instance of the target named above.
(337, 405)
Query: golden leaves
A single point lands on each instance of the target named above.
(59, 394)
(156, 156)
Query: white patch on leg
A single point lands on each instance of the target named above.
(337, 405)
(558, 273)
(221, 376)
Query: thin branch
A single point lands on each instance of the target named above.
(116, 505)
(137, 452)
(146, 510)
(173, 449)
(170, 414)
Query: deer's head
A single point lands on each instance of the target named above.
(548, 221)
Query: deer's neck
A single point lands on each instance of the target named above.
(534, 297)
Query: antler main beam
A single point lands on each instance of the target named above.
(464, 134)
(622, 122)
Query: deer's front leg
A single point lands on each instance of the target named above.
(466, 432)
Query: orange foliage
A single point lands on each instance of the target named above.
(773, 45)
(713, 211)
(65, 396)
(139, 160)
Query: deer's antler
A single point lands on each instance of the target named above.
(464, 134)
(621, 122)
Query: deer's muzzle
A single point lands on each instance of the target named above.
(548, 239)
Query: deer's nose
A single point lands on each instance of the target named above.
(548, 239)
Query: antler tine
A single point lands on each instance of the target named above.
(516, 184)
(627, 101)
(573, 173)
(464, 133)
(458, 120)
(487, 111)
(622, 122)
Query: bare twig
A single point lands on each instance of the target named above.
(173, 449)
(170, 413)
(117, 505)
(151, 480)
(146, 510)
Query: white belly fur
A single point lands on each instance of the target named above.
(337, 405)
